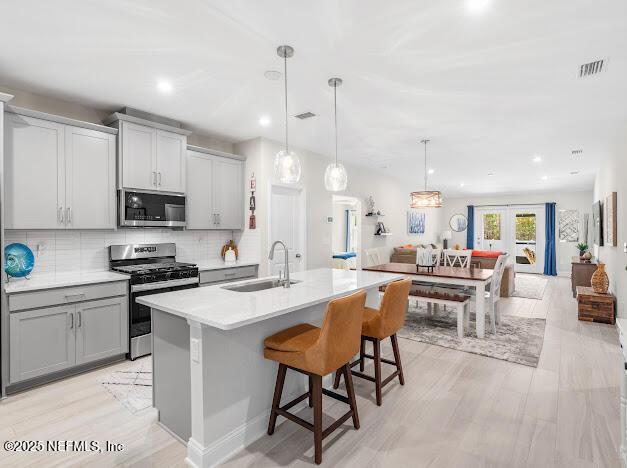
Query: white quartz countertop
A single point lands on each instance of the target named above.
(220, 264)
(61, 281)
(226, 310)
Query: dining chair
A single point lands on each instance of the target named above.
(457, 258)
(373, 257)
(493, 296)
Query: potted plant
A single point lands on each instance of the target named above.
(583, 248)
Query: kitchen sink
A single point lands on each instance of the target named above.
(258, 285)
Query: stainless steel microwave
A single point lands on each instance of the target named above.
(151, 209)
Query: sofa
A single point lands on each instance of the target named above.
(480, 259)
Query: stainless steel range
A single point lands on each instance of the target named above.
(153, 269)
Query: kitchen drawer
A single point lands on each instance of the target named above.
(59, 296)
(227, 274)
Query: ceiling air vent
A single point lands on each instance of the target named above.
(305, 115)
(576, 153)
(592, 68)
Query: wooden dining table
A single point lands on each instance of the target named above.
(477, 278)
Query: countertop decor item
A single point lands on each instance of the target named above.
(600, 281)
(587, 256)
(19, 260)
(230, 245)
(426, 198)
(229, 256)
(287, 166)
(335, 177)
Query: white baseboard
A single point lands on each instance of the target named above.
(223, 448)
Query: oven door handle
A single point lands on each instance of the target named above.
(164, 284)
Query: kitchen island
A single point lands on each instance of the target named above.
(211, 384)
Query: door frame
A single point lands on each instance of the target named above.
(302, 218)
(336, 199)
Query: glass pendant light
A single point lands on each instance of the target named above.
(335, 177)
(286, 163)
(426, 198)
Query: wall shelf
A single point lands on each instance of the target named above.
(384, 234)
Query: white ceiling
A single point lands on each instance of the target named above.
(491, 89)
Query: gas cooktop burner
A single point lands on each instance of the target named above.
(153, 268)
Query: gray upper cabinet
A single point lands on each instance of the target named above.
(151, 158)
(35, 175)
(215, 191)
(42, 341)
(101, 329)
(58, 176)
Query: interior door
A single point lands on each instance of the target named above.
(528, 238)
(287, 224)
(170, 161)
(139, 152)
(228, 193)
(492, 229)
(90, 179)
(34, 173)
(199, 203)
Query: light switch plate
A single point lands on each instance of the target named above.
(194, 350)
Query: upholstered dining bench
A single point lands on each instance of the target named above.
(458, 302)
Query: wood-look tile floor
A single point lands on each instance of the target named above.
(456, 409)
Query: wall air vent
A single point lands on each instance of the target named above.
(576, 153)
(592, 68)
(305, 115)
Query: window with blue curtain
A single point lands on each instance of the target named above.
(470, 228)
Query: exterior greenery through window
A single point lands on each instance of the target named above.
(525, 227)
(492, 226)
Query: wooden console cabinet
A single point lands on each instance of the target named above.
(581, 273)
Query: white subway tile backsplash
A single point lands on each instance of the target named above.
(71, 251)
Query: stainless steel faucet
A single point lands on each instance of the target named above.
(286, 281)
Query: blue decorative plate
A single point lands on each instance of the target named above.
(18, 260)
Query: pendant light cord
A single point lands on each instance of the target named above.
(425, 142)
(287, 147)
(335, 115)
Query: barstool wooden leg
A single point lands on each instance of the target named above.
(348, 377)
(362, 352)
(317, 410)
(377, 369)
(276, 400)
(397, 359)
(336, 381)
(310, 392)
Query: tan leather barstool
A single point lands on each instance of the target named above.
(317, 352)
(379, 325)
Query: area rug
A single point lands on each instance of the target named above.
(530, 286)
(517, 339)
(132, 386)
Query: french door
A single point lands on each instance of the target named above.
(516, 229)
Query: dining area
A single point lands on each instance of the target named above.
(447, 278)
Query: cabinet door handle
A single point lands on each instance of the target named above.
(71, 320)
(60, 215)
(80, 319)
(159, 173)
(154, 178)
(68, 215)
(218, 215)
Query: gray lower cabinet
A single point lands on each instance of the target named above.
(101, 329)
(51, 339)
(42, 342)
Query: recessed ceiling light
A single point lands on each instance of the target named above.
(431, 171)
(475, 6)
(537, 159)
(491, 174)
(264, 121)
(545, 177)
(273, 75)
(462, 184)
(164, 86)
